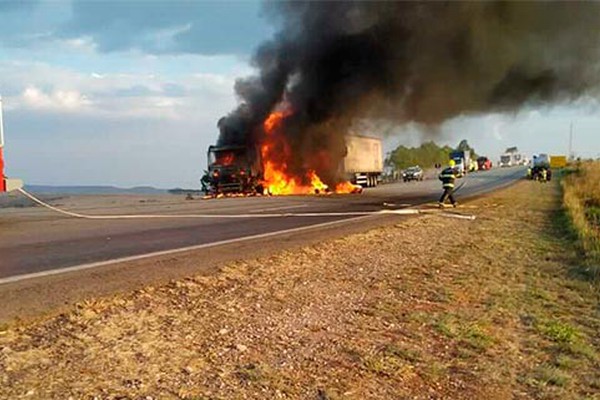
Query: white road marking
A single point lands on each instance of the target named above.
(279, 208)
(18, 278)
(397, 205)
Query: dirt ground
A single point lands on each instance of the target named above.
(430, 308)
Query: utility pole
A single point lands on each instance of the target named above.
(571, 155)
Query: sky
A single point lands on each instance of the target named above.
(129, 93)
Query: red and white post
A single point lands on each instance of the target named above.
(6, 185)
(2, 176)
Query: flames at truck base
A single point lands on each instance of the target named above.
(278, 180)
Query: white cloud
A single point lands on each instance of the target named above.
(134, 122)
(58, 100)
(82, 44)
(167, 102)
(113, 95)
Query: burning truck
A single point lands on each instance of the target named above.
(233, 169)
(254, 169)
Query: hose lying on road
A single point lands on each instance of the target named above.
(404, 211)
(460, 186)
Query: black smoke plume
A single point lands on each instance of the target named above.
(334, 63)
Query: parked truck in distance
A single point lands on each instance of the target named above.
(462, 160)
(541, 160)
(507, 160)
(512, 157)
(363, 163)
(521, 159)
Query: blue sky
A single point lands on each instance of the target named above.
(128, 93)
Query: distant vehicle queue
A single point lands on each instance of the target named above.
(458, 160)
(539, 167)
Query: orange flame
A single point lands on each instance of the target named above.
(347, 187)
(277, 180)
(316, 183)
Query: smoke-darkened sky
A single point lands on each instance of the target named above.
(335, 64)
(96, 93)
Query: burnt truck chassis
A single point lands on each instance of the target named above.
(231, 171)
(231, 181)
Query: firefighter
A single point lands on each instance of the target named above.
(448, 176)
(544, 175)
(205, 182)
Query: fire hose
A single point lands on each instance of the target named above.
(460, 186)
(404, 211)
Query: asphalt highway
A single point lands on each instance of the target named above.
(34, 240)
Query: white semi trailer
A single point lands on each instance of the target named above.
(363, 163)
(512, 157)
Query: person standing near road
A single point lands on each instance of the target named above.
(205, 182)
(544, 177)
(448, 177)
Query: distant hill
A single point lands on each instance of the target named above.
(46, 189)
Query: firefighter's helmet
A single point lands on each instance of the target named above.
(452, 163)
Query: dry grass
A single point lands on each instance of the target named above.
(408, 311)
(581, 196)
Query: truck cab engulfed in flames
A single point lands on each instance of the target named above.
(231, 170)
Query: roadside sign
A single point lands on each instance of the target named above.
(558, 161)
